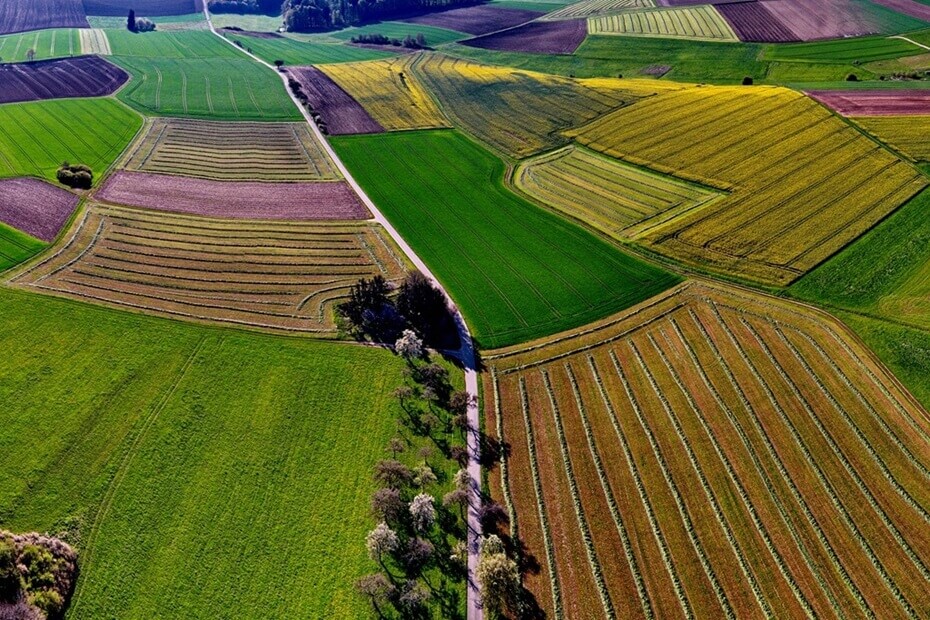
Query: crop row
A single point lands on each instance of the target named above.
(785, 516)
(702, 22)
(588, 8)
(910, 135)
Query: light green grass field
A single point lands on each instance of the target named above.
(255, 23)
(36, 137)
(232, 471)
(516, 271)
(844, 51)
(54, 43)
(306, 51)
(162, 22)
(399, 30)
(175, 44)
(224, 88)
(16, 246)
(700, 23)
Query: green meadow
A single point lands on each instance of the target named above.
(16, 246)
(312, 50)
(53, 43)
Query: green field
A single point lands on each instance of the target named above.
(165, 22)
(399, 30)
(235, 88)
(312, 51)
(256, 23)
(517, 272)
(54, 43)
(178, 44)
(16, 246)
(217, 472)
(36, 137)
(700, 23)
(845, 51)
(886, 273)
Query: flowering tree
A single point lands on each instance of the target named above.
(497, 575)
(409, 345)
(423, 512)
(381, 540)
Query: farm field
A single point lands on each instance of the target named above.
(623, 201)
(53, 43)
(590, 8)
(752, 21)
(518, 113)
(862, 49)
(35, 207)
(511, 281)
(278, 275)
(339, 112)
(802, 183)
(95, 41)
(389, 91)
(294, 51)
(701, 22)
(169, 44)
(231, 151)
(875, 102)
(254, 23)
(703, 454)
(476, 20)
(555, 37)
(150, 433)
(85, 76)
(16, 246)
(909, 135)
(147, 8)
(216, 88)
(39, 14)
(36, 137)
(398, 30)
(234, 199)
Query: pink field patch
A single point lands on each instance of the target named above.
(84, 76)
(811, 20)
(558, 37)
(753, 22)
(875, 102)
(235, 199)
(476, 20)
(35, 207)
(908, 7)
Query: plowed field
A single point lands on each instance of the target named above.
(87, 76)
(35, 207)
(22, 15)
(340, 112)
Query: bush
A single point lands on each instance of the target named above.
(747, 81)
(144, 24)
(77, 176)
(852, 77)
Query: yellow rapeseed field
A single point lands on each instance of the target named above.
(389, 92)
(910, 135)
(803, 183)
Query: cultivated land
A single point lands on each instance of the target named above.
(616, 198)
(909, 135)
(147, 8)
(16, 246)
(85, 76)
(295, 51)
(476, 20)
(518, 113)
(234, 199)
(55, 43)
(875, 102)
(280, 275)
(231, 151)
(702, 22)
(95, 41)
(218, 88)
(155, 431)
(802, 183)
(338, 110)
(36, 137)
(589, 8)
(555, 37)
(514, 270)
(389, 91)
(177, 44)
(38, 14)
(35, 207)
(713, 453)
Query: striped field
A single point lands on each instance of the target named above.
(279, 275)
(231, 151)
(614, 197)
(95, 41)
(54, 43)
(909, 135)
(589, 8)
(700, 22)
(713, 453)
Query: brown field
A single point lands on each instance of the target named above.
(22, 15)
(713, 453)
(279, 275)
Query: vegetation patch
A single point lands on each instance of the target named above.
(846, 51)
(514, 270)
(231, 151)
(40, 45)
(390, 92)
(295, 51)
(802, 184)
(285, 276)
(37, 575)
(709, 453)
(36, 137)
(702, 22)
(909, 135)
(35, 207)
(86, 76)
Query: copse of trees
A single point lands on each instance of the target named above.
(77, 176)
(139, 24)
(36, 576)
(410, 42)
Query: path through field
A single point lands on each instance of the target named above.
(466, 354)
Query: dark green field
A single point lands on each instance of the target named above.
(16, 246)
(218, 472)
(516, 271)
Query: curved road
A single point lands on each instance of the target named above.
(466, 354)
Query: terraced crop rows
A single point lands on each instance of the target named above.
(279, 275)
(232, 151)
(588, 8)
(803, 184)
(701, 22)
(909, 135)
(713, 453)
(614, 197)
(519, 113)
(389, 92)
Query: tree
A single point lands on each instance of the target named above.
(409, 345)
(497, 576)
(145, 25)
(388, 506)
(30, 55)
(393, 474)
(423, 512)
(378, 590)
(131, 21)
(425, 308)
(380, 541)
(747, 81)
(417, 554)
(368, 310)
(278, 63)
(424, 476)
(10, 582)
(396, 446)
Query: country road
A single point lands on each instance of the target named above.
(466, 353)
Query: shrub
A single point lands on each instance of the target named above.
(852, 77)
(77, 176)
(747, 81)
(425, 308)
(144, 24)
